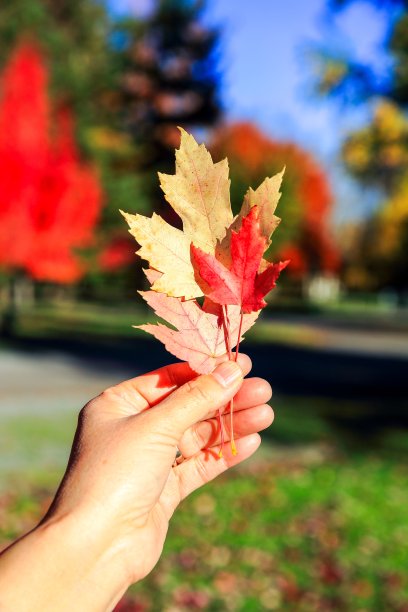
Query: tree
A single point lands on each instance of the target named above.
(169, 78)
(304, 234)
(73, 35)
(377, 154)
(49, 199)
(345, 78)
(83, 74)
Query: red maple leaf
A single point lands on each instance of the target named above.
(241, 284)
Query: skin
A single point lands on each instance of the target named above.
(108, 522)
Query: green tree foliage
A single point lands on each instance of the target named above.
(73, 34)
(344, 77)
(169, 78)
(165, 76)
(377, 154)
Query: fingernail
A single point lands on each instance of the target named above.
(227, 373)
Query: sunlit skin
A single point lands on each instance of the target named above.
(107, 525)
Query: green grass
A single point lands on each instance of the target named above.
(34, 450)
(283, 533)
(296, 533)
(79, 320)
(304, 526)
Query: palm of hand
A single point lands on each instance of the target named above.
(122, 466)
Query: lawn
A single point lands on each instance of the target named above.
(300, 527)
(290, 533)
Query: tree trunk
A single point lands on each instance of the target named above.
(9, 319)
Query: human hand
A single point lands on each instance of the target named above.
(121, 486)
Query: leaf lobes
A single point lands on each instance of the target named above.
(215, 255)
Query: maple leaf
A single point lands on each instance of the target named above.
(265, 198)
(241, 284)
(167, 249)
(199, 337)
(199, 193)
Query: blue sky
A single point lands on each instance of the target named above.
(267, 72)
(267, 76)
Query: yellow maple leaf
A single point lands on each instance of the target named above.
(168, 250)
(199, 192)
(266, 199)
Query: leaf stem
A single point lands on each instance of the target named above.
(233, 447)
(239, 334)
(227, 331)
(228, 348)
(221, 432)
(227, 338)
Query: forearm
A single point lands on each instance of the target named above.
(62, 565)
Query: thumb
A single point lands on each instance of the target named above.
(196, 399)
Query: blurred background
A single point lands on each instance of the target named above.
(91, 93)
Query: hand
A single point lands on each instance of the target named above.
(122, 487)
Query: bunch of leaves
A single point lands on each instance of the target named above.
(215, 256)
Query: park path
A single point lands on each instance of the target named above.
(388, 336)
(43, 383)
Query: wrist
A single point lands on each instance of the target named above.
(67, 563)
(94, 555)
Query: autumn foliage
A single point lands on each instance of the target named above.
(215, 255)
(118, 253)
(307, 200)
(49, 199)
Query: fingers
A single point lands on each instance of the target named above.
(206, 434)
(195, 400)
(243, 360)
(207, 465)
(253, 392)
(149, 389)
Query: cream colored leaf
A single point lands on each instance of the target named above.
(199, 192)
(266, 198)
(167, 249)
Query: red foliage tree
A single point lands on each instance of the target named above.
(118, 253)
(304, 235)
(49, 199)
